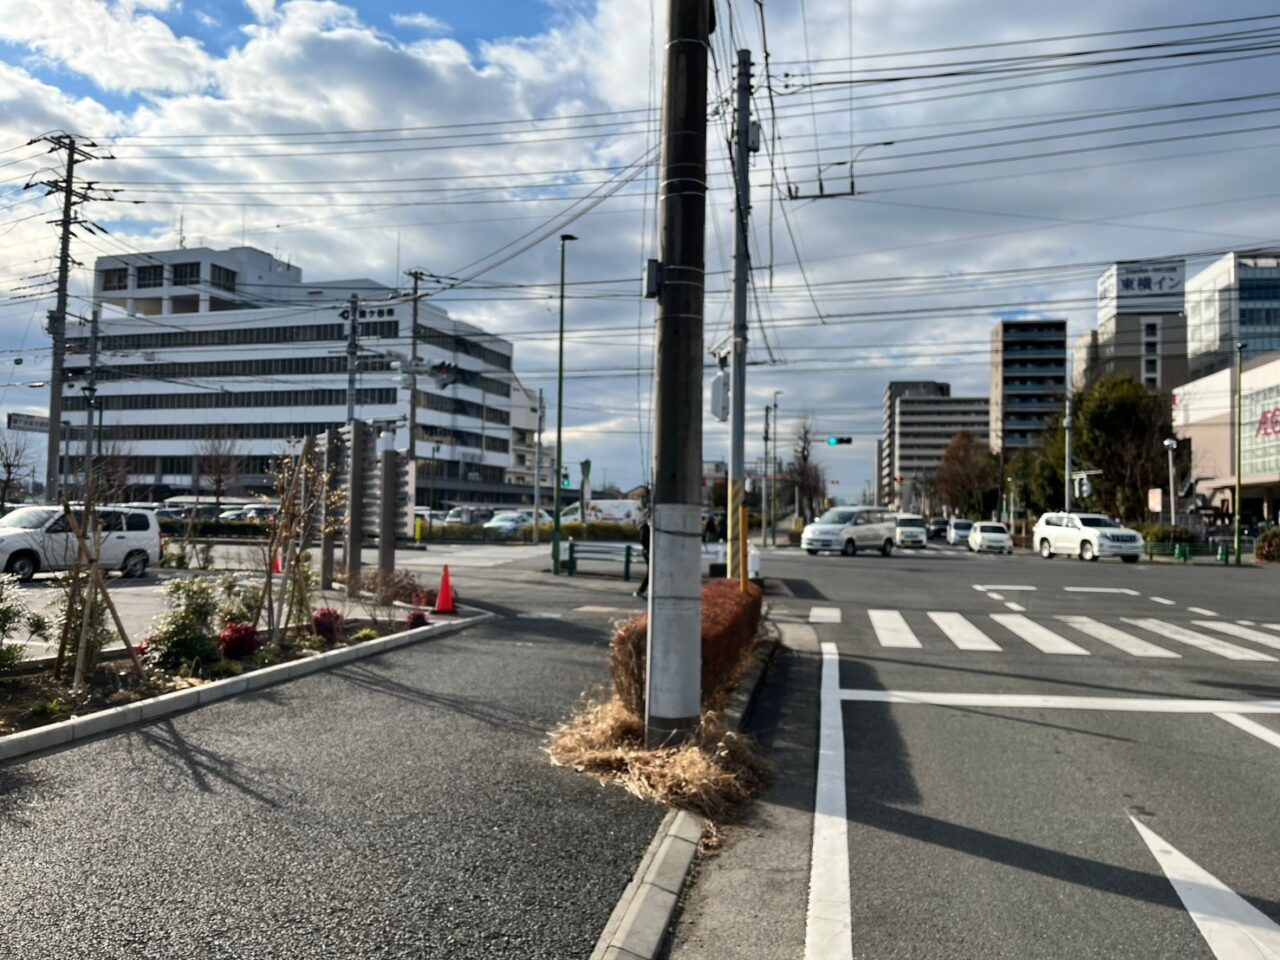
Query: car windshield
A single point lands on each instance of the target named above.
(962, 524)
(836, 516)
(912, 522)
(1098, 522)
(454, 514)
(992, 528)
(507, 518)
(28, 518)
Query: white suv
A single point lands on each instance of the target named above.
(1087, 536)
(848, 530)
(36, 539)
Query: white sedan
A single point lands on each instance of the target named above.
(990, 538)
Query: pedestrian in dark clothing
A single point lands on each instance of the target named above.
(643, 536)
(722, 527)
(709, 530)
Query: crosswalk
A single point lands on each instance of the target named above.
(1062, 635)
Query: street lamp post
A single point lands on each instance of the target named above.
(773, 463)
(1240, 346)
(1171, 445)
(565, 238)
(853, 192)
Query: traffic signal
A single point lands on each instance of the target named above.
(837, 441)
(565, 482)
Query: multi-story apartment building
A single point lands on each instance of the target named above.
(228, 355)
(527, 416)
(886, 459)
(924, 427)
(1235, 298)
(1142, 329)
(1028, 381)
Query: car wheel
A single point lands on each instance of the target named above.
(850, 548)
(1129, 559)
(22, 566)
(1086, 551)
(135, 566)
(812, 553)
(886, 548)
(1046, 551)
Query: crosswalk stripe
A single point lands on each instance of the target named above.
(891, 629)
(1191, 638)
(1244, 633)
(824, 614)
(1042, 638)
(963, 633)
(1117, 638)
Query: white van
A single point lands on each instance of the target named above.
(36, 539)
(604, 511)
(850, 529)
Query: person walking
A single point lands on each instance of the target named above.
(643, 536)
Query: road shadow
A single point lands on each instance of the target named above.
(18, 788)
(206, 769)
(802, 589)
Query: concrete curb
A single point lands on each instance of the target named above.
(638, 927)
(80, 728)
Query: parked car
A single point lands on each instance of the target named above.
(990, 538)
(958, 531)
(510, 521)
(849, 529)
(1087, 536)
(909, 530)
(604, 511)
(39, 539)
(938, 528)
(466, 516)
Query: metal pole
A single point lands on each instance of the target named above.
(765, 502)
(353, 349)
(1240, 345)
(673, 681)
(1066, 487)
(356, 463)
(773, 492)
(555, 507)
(1173, 503)
(537, 472)
(58, 334)
(413, 388)
(736, 565)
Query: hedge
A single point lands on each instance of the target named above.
(1267, 549)
(730, 619)
(1163, 533)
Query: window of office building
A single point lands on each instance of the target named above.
(186, 274)
(222, 278)
(150, 276)
(116, 278)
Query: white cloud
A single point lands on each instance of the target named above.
(421, 21)
(207, 19)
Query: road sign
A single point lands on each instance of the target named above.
(27, 423)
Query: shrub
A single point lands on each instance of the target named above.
(1267, 549)
(400, 586)
(204, 555)
(13, 614)
(241, 601)
(238, 641)
(11, 654)
(362, 636)
(416, 619)
(425, 597)
(1163, 533)
(185, 633)
(71, 615)
(730, 619)
(329, 624)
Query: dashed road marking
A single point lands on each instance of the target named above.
(995, 596)
(1124, 590)
(1167, 603)
(1017, 607)
(892, 630)
(1191, 638)
(1244, 633)
(1201, 611)
(824, 614)
(1245, 623)
(1007, 587)
(1042, 638)
(1118, 638)
(963, 633)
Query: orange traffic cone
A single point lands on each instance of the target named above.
(444, 599)
(276, 566)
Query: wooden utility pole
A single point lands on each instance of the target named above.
(353, 357)
(737, 561)
(673, 699)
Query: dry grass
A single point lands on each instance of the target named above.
(713, 774)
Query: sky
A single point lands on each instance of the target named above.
(461, 138)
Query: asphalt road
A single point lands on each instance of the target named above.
(401, 806)
(982, 826)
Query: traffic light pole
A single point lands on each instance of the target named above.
(555, 509)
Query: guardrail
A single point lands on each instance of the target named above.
(1187, 552)
(616, 552)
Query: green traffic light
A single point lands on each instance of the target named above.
(832, 441)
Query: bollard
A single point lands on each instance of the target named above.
(573, 564)
(1186, 552)
(1224, 553)
(626, 565)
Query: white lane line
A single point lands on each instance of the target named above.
(1124, 590)
(963, 633)
(1039, 701)
(1117, 638)
(1265, 734)
(1244, 633)
(1233, 928)
(1201, 611)
(1017, 607)
(1042, 638)
(1167, 603)
(829, 921)
(1272, 626)
(824, 614)
(892, 630)
(1245, 623)
(1200, 641)
(1009, 587)
(995, 596)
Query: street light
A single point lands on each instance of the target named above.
(1171, 445)
(1240, 346)
(773, 463)
(555, 520)
(850, 162)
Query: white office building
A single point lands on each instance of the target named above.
(1235, 298)
(924, 427)
(205, 353)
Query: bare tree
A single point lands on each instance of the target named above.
(14, 455)
(219, 459)
(111, 469)
(807, 477)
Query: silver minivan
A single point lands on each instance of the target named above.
(847, 530)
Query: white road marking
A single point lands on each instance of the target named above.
(539, 616)
(1200, 641)
(1125, 590)
(1265, 734)
(1245, 623)
(1015, 606)
(1232, 927)
(995, 596)
(1167, 603)
(1042, 638)
(1117, 638)
(828, 923)
(984, 587)
(1038, 701)
(963, 633)
(1244, 633)
(824, 614)
(1272, 626)
(892, 630)
(1201, 611)
(593, 609)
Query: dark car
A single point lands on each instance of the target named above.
(938, 528)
